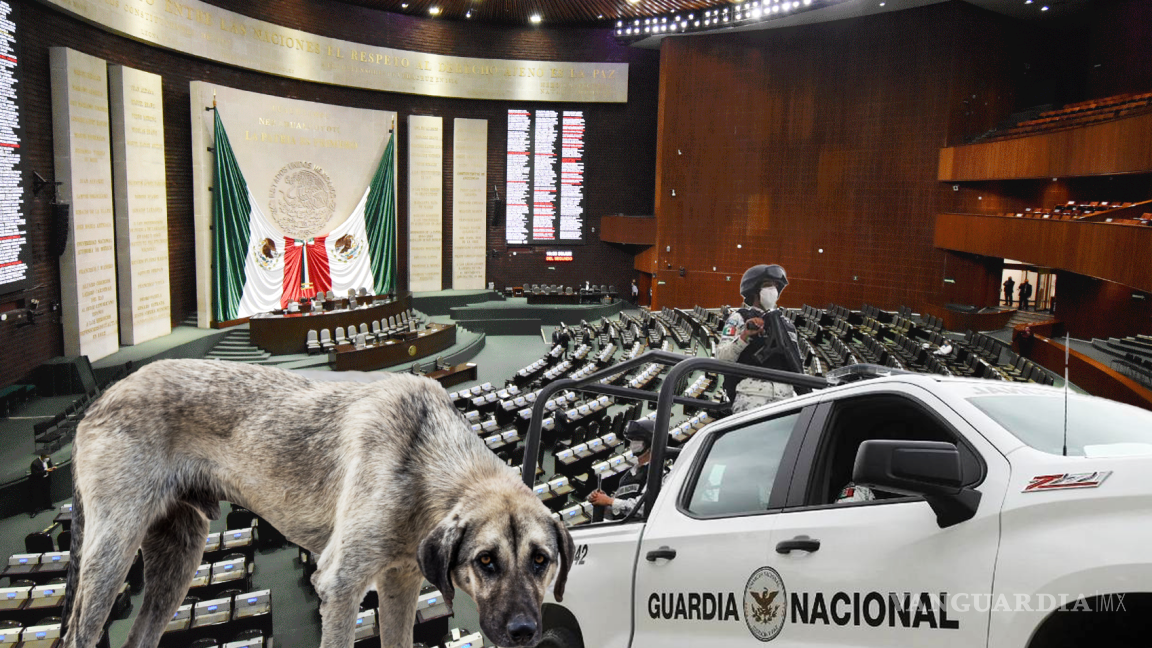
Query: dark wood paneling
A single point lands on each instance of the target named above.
(1094, 308)
(1120, 146)
(971, 280)
(779, 147)
(630, 230)
(620, 141)
(1114, 252)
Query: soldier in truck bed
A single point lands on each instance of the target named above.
(758, 334)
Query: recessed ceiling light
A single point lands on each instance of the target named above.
(633, 1)
(404, 6)
(435, 11)
(469, 14)
(600, 17)
(1044, 8)
(535, 19)
(883, 3)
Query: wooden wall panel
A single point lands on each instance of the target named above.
(971, 280)
(775, 147)
(629, 230)
(620, 144)
(1119, 146)
(1116, 253)
(1094, 308)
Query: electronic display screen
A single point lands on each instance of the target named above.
(545, 177)
(15, 253)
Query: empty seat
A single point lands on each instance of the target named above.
(340, 339)
(326, 343)
(364, 329)
(313, 342)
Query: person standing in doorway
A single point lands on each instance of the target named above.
(635, 293)
(1009, 285)
(1025, 293)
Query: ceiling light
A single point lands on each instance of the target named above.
(1044, 8)
(883, 3)
(633, 1)
(435, 11)
(600, 17)
(404, 6)
(535, 19)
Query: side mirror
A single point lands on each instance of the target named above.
(926, 468)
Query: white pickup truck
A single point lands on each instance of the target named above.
(990, 527)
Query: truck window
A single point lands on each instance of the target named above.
(739, 469)
(874, 417)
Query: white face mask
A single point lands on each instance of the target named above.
(637, 447)
(768, 297)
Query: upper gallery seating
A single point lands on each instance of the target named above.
(1095, 211)
(1084, 113)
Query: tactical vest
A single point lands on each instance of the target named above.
(748, 356)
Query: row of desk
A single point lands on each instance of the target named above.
(593, 297)
(282, 333)
(433, 339)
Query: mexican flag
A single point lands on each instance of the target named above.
(256, 269)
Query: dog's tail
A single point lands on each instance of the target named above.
(74, 557)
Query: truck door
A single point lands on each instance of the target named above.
(710, 532)
(881, 572)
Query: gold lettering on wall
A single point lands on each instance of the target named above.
(203, 30)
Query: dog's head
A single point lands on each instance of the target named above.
(503, 551)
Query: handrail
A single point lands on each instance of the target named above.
(682, 366)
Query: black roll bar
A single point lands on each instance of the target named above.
(682, 366)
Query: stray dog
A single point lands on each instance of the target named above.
(383, 480)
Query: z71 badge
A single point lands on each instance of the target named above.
(1066, 481)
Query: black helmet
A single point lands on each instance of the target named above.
(641, 430)
(756, 275)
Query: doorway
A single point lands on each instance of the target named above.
(1043, 281)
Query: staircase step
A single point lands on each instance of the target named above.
(236, 352)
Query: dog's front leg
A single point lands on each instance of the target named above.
(341, 587)
(398, 589)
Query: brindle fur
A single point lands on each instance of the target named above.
(383, 480)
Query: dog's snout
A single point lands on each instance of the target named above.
(521, 629)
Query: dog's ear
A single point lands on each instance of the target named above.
(438, 553)
(565, 548)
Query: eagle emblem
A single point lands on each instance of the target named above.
(765, 611)
(265, 254)
(347, 247)
(764, 602)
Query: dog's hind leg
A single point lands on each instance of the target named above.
(109, 548)
(172, 552)
(398, 591)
